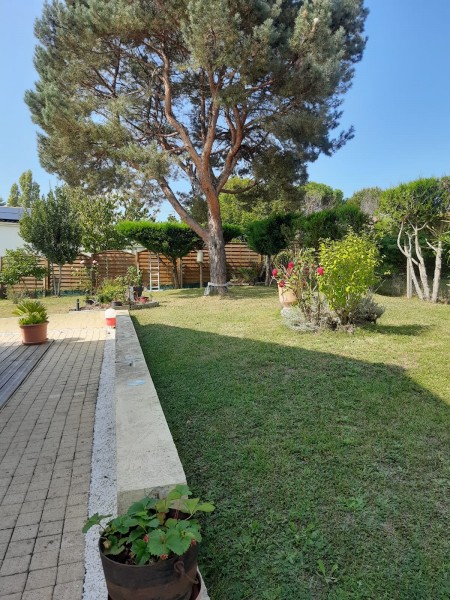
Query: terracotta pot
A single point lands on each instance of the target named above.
(172, 579)
(34, 334)
(287, 297)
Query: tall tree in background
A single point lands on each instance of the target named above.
(14, 196)
(318, 196)
(52, 228)
(25, 193)
(367, 200)
(200, 88)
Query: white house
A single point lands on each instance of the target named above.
(9, 228)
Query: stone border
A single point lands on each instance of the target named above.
(147, 459)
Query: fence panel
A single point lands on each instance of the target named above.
(115, 263)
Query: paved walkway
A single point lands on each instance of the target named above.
(46, 431)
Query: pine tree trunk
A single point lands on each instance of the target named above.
(437, 272)
(217, 256)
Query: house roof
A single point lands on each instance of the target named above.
(10, 214)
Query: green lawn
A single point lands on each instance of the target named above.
(318, 449)
(54, 305)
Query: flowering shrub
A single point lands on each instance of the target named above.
(348, 273)
(301, 276)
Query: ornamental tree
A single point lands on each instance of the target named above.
(270, 236)
(152, 90)
(52, 228)
(419, 212)
(19, 264)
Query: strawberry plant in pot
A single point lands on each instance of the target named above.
(151, 551)
(33, 321)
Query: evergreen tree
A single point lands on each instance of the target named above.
(201, 89)
(52, 228)
(25, 193)
(14, 196)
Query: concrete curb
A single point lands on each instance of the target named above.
(147, 459)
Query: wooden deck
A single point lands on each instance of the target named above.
(16, 363)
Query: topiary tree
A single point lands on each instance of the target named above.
(147, 90)
(348, 272)
(269, 236)
(53, 229)
(330, 224)
(172, 240)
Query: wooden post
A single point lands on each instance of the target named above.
(201, 275)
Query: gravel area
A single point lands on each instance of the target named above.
(103, 493)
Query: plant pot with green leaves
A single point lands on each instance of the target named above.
(33, 321)
(150, 552)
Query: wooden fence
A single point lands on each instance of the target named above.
(115, 263)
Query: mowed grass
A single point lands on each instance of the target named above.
(327, 455)
(54, 305)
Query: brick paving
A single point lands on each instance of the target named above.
(46, 431)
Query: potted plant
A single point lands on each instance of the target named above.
(134, 280)
(151, 551)
(113, 291)
(33, 321)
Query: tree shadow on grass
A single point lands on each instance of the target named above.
(309, 457)
(408, 330)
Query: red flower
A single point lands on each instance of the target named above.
(164, 556)
(282, 283)
(145, 538)
(275, 272)
(290, 265)
(320, 271)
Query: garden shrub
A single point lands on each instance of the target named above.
(349, 271)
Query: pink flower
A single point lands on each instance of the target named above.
(164, 556)
(94, 262)
(275, 272)
(290, 265)
(145, 538)
(282, 283)
(320, 271)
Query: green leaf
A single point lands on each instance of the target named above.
(141, 507)
(157, 543)
(141, 552)
(94, 520)
(206, 507)
(178, 492)
(189, 506)
(177, 543)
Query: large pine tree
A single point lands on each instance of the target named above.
(158, 89)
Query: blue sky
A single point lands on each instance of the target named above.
(399, 102)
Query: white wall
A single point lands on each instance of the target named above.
(9, 237)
